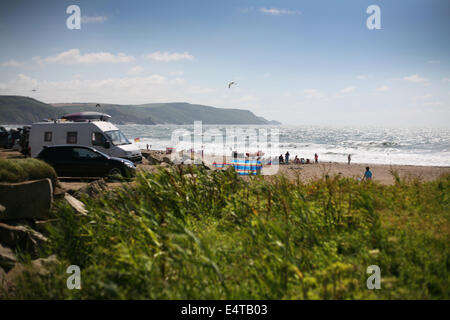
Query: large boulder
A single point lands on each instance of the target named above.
(25, 200)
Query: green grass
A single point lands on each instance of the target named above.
(18, 170)
(216, 236)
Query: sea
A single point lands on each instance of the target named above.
(377, 145)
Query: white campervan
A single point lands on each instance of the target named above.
(99, 134)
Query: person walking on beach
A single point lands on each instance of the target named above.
(316, 158)
(280, 159)
(349, 158)
(367, 174)
(286, 157)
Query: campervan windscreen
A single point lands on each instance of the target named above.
(117, 137)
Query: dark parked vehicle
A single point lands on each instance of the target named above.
(81, 161)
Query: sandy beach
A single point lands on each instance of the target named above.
(381, 172)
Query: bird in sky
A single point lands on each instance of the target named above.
(34, 90)
(230, 84)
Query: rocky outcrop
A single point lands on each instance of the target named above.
(93, 189)
(26, 200)
(39, 266)
(21, 236)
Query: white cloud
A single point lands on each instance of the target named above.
(12, 63)
(93, 19)
(382, 88)
(73, 56)
(415, 78)
(38, 60)
(434, 61)
(247, 98)
(167, 56)
(446, 79)
(432, 104)
(348, 90)
(176, 73)
(135, 70)
(362, 77)
(278, 12)
(313, 94)
(267, 75)
(125, 90)
(424, 97)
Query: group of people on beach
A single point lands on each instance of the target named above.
(296, 160)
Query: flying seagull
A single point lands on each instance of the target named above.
(34, 90)
(230, 84)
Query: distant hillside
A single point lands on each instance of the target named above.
(24, 110)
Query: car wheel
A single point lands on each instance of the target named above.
(115, 172)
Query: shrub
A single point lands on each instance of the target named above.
(18, 170)
(214, 235)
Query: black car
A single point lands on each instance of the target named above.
(81, 161)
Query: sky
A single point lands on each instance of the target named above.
(298, 62)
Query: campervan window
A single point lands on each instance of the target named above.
(48, 136)
(98, 139)
(117, 137)
(72, 137)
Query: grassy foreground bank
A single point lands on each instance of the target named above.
(19, 170)
(216, 236)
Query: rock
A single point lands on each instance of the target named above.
(167, 160)
(38, 266)
(93, 189)
(3, 283)
(41, 265)
(20, 236)
(7, 258)
(58, 193)
(152, 160)
(24, 200)
(76, 204)
(2, 278)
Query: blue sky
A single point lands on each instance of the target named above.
(299, 62)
